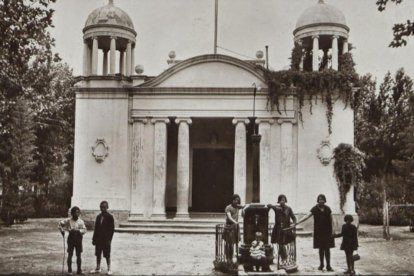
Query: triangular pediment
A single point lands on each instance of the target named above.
(209, 71)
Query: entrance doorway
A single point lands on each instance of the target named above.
(212, 179)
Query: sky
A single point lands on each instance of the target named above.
(244, 27)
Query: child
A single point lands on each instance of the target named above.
(231, 233)
(257, 252)
(76, 228)
(349, 242)
(102, 237)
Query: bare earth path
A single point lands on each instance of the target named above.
(36, 247)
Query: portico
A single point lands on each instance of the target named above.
(200, 132)
(179, 143)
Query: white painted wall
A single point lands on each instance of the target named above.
(101, 116)
(313, 177)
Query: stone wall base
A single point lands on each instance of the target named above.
(89, 217)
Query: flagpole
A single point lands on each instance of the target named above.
(215, 26)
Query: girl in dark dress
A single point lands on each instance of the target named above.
(322, 232)
(349, 242)
(283, 215)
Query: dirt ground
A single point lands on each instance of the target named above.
(36, 247)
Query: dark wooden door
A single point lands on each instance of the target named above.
(212, 179)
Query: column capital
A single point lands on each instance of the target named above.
(292, 121)
(335, 36)
(113, 37)
(184, 120)
(160, 120)
(315, 36)
(265, 121)
(235, 121)
(140, 120)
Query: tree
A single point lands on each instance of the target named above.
(380, 119)
(401, 30)
(17, 185)
(55, 104)
(30, 74)
(24, 37)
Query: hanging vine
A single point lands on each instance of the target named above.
(329, 84)
(348, 166)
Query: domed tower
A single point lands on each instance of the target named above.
(323, 34)
(108, 29)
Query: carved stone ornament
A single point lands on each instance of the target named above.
(100, 150)
(325, 152)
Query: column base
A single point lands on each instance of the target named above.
(182, 216)
(135, 216)
(159, 216)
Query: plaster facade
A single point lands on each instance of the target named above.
(180, 142)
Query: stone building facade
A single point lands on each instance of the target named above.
(179, 143)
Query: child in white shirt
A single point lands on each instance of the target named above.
(76, 228)
(257, 251)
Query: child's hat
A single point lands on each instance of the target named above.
(259, 234)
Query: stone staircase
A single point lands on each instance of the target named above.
(198, 223)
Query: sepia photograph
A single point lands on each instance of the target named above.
(206, 137)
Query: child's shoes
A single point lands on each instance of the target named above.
(96, 270)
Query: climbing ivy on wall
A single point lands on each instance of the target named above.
(328, 85)
(348, 166)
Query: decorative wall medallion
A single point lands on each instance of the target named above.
(325, 152)
(100, 150)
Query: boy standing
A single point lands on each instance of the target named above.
(102, 237)
(76, 228)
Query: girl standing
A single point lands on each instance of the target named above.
(323, 230)
(349, 242)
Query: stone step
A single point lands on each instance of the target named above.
(178, 221)
(166, 225)
(211, 231)
(165, 230)
(179, 228)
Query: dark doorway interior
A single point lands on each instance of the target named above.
(212, 179)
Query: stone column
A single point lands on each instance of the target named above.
(302, 58)
(138, 172)
(105, 63)
(122, 62)
(94, 56)
(266, 183)
(240, 151)
(160, 166)
(335, 52)
(85, 58)
(183, 166)
(315, 53)
(128, 59)
(286, 169)
(113, 56)
(345, 46)
(133, 60)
